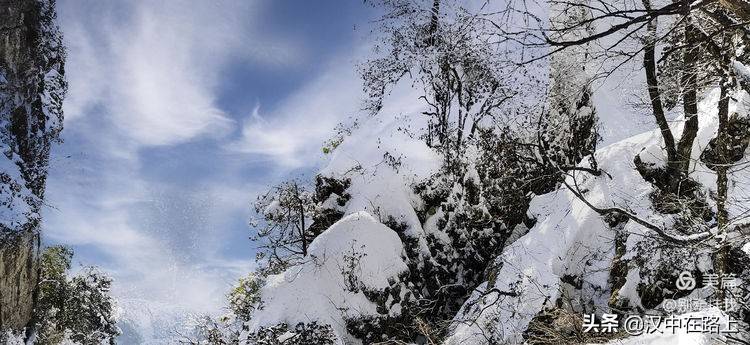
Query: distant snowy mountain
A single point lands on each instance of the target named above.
(152, 323)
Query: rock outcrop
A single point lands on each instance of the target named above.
(32, 88)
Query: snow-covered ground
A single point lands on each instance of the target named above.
(328, 287)
(567, 233)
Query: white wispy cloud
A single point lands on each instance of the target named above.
(145, 74)
(292, 134)
(155, 66)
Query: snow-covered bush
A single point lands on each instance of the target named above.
(301, 334)
(12, 338)
(207, 330)
(78, 308)
(289, 217)
(354, 258)
(244, 298)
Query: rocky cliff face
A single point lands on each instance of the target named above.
(31, 92)
(18, 277)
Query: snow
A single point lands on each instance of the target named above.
(286, 336)
(532, 266)
(151, 322)
(383, 161)
(378, 188)
(17, 202)
(317, 290)
(569, 233)
(743, 72)
(391, 131)
(13, 338)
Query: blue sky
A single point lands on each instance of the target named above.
(178, 114)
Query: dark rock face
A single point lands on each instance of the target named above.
(18, 278)
(32, 88)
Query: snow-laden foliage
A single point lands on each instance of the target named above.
(289, 217)
(301, 334)
(355, 257)
(12, 338)
(32, 88)
(77, 309)
(567, 128)
(284, 211)
(244, 298)
(447, 54)
(568, 257)
(449, 223)
(572, 260)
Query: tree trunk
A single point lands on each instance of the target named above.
(302, 230)
(434, 13)
(690, 104)
(722, 146)
(649, 64)
(722, 167)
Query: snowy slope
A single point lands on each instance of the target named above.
(382, 160)
(568, 233)
(326, 288)
(569, 238)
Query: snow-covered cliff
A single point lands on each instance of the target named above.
(32, 87)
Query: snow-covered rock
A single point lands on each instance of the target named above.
(356, 254)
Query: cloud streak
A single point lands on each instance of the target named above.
(145, 83)
(293, 133)
(154, 66)
(145, 75)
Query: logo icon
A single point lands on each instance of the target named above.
(669, 305)
(685, 281)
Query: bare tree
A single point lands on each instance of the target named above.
(282, 225)
(692, 55)
(445, 50)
